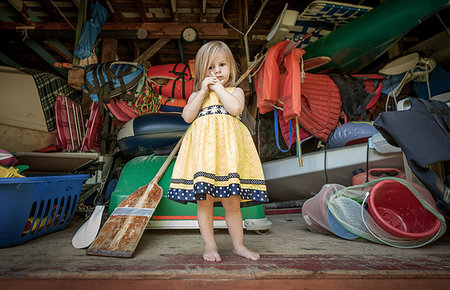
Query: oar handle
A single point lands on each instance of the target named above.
(168, 160)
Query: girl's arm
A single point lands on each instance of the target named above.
(195, 101)
(234, 103)
(190, 111)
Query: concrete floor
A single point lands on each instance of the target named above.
(291, 258)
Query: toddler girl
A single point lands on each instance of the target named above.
(217, 164)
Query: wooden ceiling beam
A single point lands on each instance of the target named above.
(202, 10)
(38, 49)
(76, 3)
(22, 9)
(51, 8)
(28, 16)
(155, 30)
(149, 52)
(141, 10)
(59, 48)
(114, 11)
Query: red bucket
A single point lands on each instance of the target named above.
(398, 211)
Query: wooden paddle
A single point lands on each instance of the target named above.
(122, 231)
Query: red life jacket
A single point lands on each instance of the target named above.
(180, 84)
(321, 105)
(320, 108)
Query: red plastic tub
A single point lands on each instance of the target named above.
(398, 211)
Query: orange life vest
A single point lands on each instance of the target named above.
(267, 78)
(290, 85)
(316, 103)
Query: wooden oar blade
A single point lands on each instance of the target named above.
(119, 236)
(122, 231)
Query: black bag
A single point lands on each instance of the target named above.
(422, 132)
(353, 94)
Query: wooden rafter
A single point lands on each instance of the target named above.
(160, 43)
(22, 9)
(58, 47)
(109, 49)
(132, 47)
(141, 10)
(155, 30)
(38, 49)
(173, 5)
(55, 14)
(202, 10)
(76, 3)
(115, 11)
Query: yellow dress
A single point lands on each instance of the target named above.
(217, 157)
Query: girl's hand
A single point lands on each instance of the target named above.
(216, 83)
(206, 83)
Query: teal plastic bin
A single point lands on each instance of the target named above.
(31, 207)
(140, 171)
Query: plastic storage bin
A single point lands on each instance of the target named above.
(31, 207)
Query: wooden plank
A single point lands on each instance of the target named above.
(52, 10)
(59, 48)
(115, 11)
(160, 43)
(155, 30)
(312, 282)
(141, 10)
(22, 9)
(37, 48)
(109, 49)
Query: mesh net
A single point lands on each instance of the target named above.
(347, 207)
(314, 210)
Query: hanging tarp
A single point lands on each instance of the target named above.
(91, 30)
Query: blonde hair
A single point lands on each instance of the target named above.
(205, 56)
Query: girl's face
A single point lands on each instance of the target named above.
(219, 68)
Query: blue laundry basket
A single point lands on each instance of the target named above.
(31, 207)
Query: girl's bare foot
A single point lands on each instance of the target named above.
(246, 253)
(211, 255)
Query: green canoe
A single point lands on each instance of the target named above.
(356, 44)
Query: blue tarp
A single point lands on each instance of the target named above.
(91, 30)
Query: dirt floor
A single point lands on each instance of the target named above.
(291, 258)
